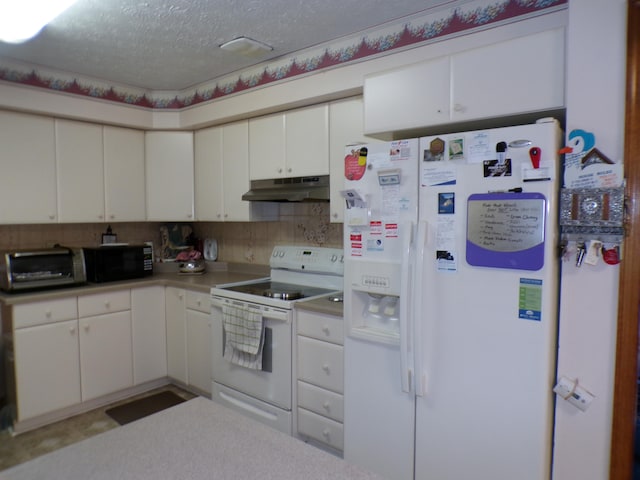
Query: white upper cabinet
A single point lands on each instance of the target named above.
(307, 141)
(169, 176)
(267, 147)
(124, 174)
(290, 144)
(79, 159)
(521, 75)
(413, 96)
(345, 128)
(222, 176)
(28, 182)
(209, 199)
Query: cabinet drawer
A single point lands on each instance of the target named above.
(199, 301)
(320, 428)
(323, 327)
(321, 364)
(321, 401)
(101, 303)
(38, 313)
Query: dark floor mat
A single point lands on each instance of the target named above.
(137, 409)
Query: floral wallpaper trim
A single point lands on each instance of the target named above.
(478, 14)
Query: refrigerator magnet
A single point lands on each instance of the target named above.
(446, 203)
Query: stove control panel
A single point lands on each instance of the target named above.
(311, 259)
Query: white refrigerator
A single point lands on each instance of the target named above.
(451, 291)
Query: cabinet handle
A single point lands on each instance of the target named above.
(100, 217)
(199, 302)
(86, 328)
(326, 406)
(326, 433)
(52, 217)
(189, 215)
(219, 215)
(459, 108)
(279, 170)
(289, 169)
(326, 368)
(107, 304)
(326, 330)
(112, 216)
(47, 314)
(72, 330)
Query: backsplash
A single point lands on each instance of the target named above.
(238, 242)
(299, 224)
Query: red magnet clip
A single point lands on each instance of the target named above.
(534, 153)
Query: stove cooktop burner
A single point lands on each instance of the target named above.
(278, 290)
(282, 295)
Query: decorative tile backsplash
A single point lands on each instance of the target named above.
(238, 242)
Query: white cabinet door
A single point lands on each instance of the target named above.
(28, 180)
(176, 334)
(199, 350)
(267, 147)
(124, 174)
(149, 334)
(47, 368)
(307, 141)
(518, 76)
(235, 172)
(169, 176)
(410, 97)
(290, 144)
(79, 160)
(106, 363)
(208, 183)
(346, 119)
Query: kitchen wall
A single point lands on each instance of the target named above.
(298, 224)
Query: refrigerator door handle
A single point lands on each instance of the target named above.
(418, 292)
(406, 329)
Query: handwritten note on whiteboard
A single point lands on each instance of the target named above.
(506, 230)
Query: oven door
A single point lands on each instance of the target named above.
(272, 384)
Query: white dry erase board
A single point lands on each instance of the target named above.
(506, 230)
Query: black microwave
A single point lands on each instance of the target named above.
(110, 263)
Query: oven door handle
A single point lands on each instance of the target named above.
(267, 313)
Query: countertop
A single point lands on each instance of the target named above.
(215, 275)
(198, 439)
(218, 274)
(322, 305)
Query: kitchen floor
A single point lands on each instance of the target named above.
(21, 448)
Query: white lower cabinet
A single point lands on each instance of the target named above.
(73, 349)
(320, 378)
(106, 356)
(106, 363)
(149, 334)
(189, 338)
(176, 334)
(47, 371)
(199, 341)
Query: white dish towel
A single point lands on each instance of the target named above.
(243, 328)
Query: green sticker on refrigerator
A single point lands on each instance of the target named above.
(530, 301)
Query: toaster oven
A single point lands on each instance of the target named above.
(41, 268)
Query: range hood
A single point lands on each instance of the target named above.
(295, 189)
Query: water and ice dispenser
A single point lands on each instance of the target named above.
(372, 301)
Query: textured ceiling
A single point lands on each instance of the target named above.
(173, 44)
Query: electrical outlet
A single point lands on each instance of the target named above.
(573, 393)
